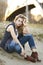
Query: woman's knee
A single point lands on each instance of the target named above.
(30, 36)
(18, 49)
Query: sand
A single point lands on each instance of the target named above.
(15, 59)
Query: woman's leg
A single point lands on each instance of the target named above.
(31, 43)
(14, 47)
(28, 38)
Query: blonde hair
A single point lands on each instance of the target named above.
(20, 16)
(20, 29)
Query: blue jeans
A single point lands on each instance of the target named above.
(13, 46)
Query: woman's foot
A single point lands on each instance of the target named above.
(35, 56)
(30, 58)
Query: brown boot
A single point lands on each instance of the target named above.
(35, 55)
(29, 58)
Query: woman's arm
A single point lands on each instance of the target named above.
(11, 30)
(26, 29)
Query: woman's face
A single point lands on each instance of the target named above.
(19, 22)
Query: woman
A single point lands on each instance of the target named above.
(15, 37)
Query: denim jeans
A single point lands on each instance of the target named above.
(13, 46)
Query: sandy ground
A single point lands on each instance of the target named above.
(15, 59)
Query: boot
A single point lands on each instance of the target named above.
(35, 55)
(29, 58)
